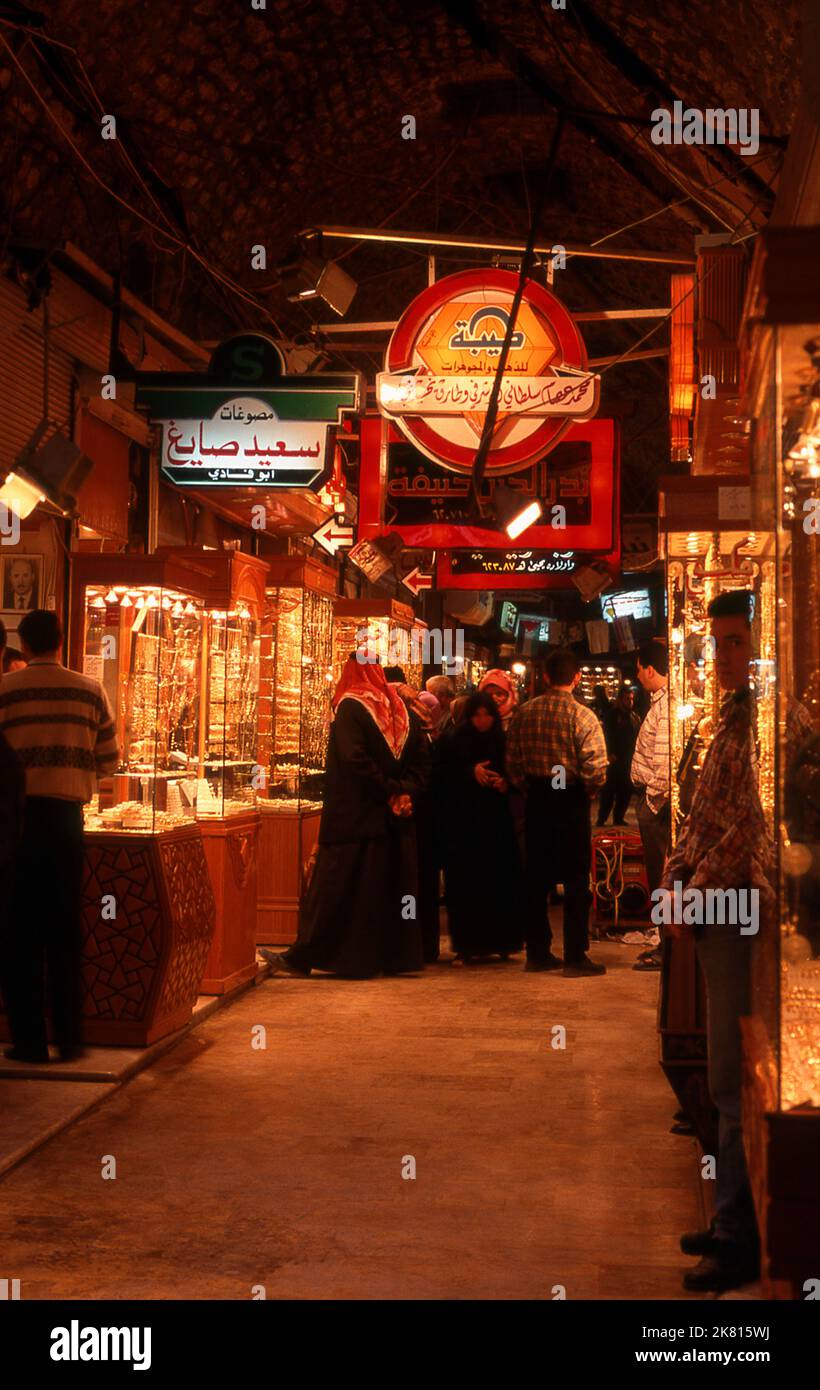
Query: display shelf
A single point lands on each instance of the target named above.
(136, 626)
(781, 1039)
(295, 693)
(610, 677)
(386, 629)
(229, 758)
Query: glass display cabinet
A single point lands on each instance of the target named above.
(388, 629)
(148, 907)
(296, 661)
(229, 726)
(229, 772)
(781, 1101)
(609, 677)
(713, 537)
(470, 668)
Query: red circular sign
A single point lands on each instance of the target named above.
(442, 359)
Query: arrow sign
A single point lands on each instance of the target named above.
(332, 537)
(416, 581)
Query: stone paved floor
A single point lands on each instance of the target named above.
(236, 1166)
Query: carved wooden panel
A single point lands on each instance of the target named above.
(121, 956)
(191, 900)
(242, 853)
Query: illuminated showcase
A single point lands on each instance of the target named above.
(144, 644)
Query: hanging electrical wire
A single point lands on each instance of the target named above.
(180, 242)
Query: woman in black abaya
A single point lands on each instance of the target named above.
(359, 914)
(482, 867)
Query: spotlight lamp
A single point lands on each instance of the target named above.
(515, 513)
(20, 496)
(306, 274)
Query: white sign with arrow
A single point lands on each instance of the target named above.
(416, 581)
(332, 536)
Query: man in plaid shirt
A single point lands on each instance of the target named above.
(724, 844)
(556, 752)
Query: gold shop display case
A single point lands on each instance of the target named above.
(609, 677)
(230, 772)
(295, 692)
(781, 1098)
(148, 907)
(467, 671)
(388, 630)
(712, 539)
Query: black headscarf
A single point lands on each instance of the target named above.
(470, 746)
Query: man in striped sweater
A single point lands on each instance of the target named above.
(61, 727)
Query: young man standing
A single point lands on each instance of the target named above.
(60, 725)
(556, 752)
(724, 844)
(650, 774)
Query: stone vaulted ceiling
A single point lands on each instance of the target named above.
(240, 127)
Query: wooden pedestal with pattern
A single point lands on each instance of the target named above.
(142, 969)
(286, 842)
(231, 854)
(682, 1029)
(783, 1158)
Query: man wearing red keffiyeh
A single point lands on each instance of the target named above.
(359, 915)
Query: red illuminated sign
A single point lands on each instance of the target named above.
(431, 511)
(441, 364)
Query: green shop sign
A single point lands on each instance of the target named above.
(245, 423)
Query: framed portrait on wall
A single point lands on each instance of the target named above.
(21, 585)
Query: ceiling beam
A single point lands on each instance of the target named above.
(620, 149)
(602, 252)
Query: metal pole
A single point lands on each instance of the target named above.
(480, 244)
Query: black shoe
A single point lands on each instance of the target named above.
(652, 962)
(549, 962)
(280, 965)
(32, 1058)
(71, 1054)
(699, 1242)
(727, 1267)
(584, 966)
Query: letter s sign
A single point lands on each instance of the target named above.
(247, 362)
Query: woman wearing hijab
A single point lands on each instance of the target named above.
(502, 688)
(433, 714)
(359, 916)
(482, 866)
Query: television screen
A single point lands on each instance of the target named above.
(627, 603)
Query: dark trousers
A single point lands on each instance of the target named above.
(617, 792)
(557, 832)
(654, 830)
(725, 958)
(41, 949)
